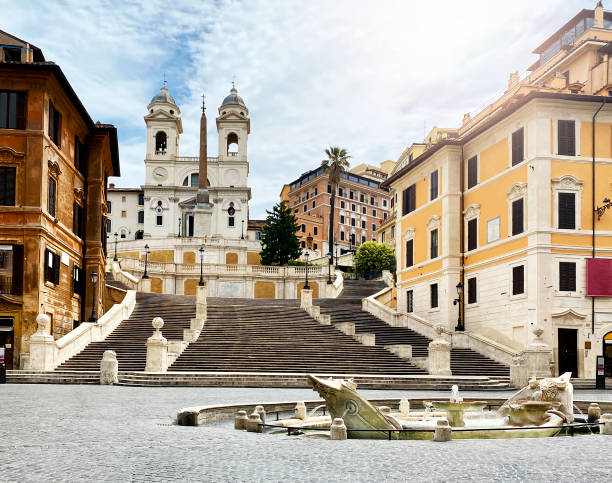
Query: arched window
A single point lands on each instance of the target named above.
(232, 144)
(231, 211)
(192, 180)
(123, 234)
(139, 235)
(161, 143)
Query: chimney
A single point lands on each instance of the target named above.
(202, 196)
(514, 80)
(599, 16)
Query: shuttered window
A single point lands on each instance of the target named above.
(52, 267)
(78, 281)
(78, 223)
(433, 243)
(12, 109)
(472, 241)
(518, 280)
(567, 211)
(517, 216)
(518, 146)
(433, 185)
(80, 156)
(409, 301)
(433, 295)
(55, 125)
(410, 253)
(566, 138)
(52, 196)
(409, 199)
(472, 172)
(7, 185)
(471, 286)
(567, 276)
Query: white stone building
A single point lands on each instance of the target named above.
(125, 213)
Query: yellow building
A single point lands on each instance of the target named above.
(508, 208)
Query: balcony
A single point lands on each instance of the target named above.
(7, 287)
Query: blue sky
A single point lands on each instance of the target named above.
(369, 76)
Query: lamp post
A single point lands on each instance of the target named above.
(180, 221)
(242, 233)
(330, 255)
(201, 282)
(306, 286)
(460, 327)
(336, 255)
(356, 259)
(115, 258)
(94, 281)
(145, 275)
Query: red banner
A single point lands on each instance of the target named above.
(599, 277)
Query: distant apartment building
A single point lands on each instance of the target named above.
(126, 212)
(360, 206)
(512, 209)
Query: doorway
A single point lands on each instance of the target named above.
(7, 340)
(607, 353)
(190, 225)
(568, 351)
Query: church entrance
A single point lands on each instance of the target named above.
(7, 340)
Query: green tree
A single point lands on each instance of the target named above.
(336, 163)
(374, 257)
(278, 236)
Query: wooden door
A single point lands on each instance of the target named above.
(568, 351)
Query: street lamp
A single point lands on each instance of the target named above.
(146, 261)
(336, 255)
(115, 258)
(180, 221)
(306, 286)
(330, 255)
(94, 281)
(242, 234)
(460, 327)
(355, 260)
(201, 282)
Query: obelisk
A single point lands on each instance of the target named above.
(203, 207)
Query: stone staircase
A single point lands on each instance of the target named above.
(111, 282)
(129, 339)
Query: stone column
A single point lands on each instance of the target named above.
(518, 372)
(337, 431)
(42, 346)
(109, 368)
(439, 354)
(306, 299)
(157, 349)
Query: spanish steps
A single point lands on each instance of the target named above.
(246, 335)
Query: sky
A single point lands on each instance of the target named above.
(370, 76)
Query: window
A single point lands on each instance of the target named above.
(303, 228)
(363, 224)
(472, 234)
(433, 185)
(567, 276)
(433, 295)
(409, 253)
(518, 280)
(52, 267)
(472, 172)
(351, 195)
(566, 138)
(329, 188)
(305, 208)
(363, 239)
(52, 196)
(7, 185)
(352, 221)
(315, 191)
(123, 199)
(362, 198)
(315, 246)
(393, 232)
(372, 200)
(517, 216)
(123, 234)
(433, 243)
(109, 226)
(364, 210)
(340, 192)
(384, 202)
(123, 214)
(353, 207)
(160, 142)
(141, 217)
(257, 235)
(471, 290)
(303, 244)
(159, 220)
(518, 148)
(12, 109)
(109, 206)
(352, 240)
(55, 125)
(567, 211)
(78, 222)
(373, 212)
(230, 221)
(342, 205)
(409, 200)
(314, 203)
(373, 226)
(140, 199)
(78, 280)
(342, 219)
(342, 235)
(315, 230)
(409, 301)
(384, 216)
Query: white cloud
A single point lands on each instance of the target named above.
(364, 75)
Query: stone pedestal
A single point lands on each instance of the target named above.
(240, 420)
(347, 327)
(404, 406)
(443, 431)
(109, 368)
(157, 349)
(607, 426)
(42, 346)
(337, 430)
(144, 285)
(537, 360)
(202, 218)
(439, 358)
(253, 423)
(300, 411)
(366, 338)
(519, 376)
(201, 306)
(306, 299)
(324, 319)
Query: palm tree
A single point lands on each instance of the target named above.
(336, 163)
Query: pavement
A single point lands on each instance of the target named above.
(111, 433)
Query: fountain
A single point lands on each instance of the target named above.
(455, 407)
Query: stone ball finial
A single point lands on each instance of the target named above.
(42, 321)
(158, 323)
(109, 355)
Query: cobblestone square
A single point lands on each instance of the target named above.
(110, 433)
